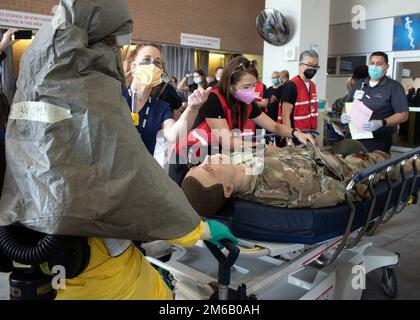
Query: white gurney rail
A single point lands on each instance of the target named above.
(296, 271)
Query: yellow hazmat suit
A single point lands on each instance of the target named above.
(126, 277)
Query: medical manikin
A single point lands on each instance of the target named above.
(78, 177)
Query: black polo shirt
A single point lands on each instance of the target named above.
(213, 83)
(273, 108)
(168, 95)
(213, 109)
(385, 99)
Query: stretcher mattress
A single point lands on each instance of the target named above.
(309, 226)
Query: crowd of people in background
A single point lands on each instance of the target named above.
(289, 101)
(279, 101)
(413, 96)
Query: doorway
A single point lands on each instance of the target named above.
(407, 72)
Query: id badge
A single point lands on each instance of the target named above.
(359, 94)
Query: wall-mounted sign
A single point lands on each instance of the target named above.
(407, 33)
(193, 40)
(23, 20)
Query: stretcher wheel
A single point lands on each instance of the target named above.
(390, 282)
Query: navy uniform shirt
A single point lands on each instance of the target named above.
(158, 112)
(385, 99)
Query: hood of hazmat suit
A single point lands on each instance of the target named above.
(75, 163)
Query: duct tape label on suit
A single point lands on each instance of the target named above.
(39, 111)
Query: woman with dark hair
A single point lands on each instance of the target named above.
(200, 82)
(229, 115)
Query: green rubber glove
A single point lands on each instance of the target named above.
(219, 231)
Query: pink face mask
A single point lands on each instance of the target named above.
(247, 96)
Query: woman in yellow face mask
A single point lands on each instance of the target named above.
(150, 115)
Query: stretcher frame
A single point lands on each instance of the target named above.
(330, 265)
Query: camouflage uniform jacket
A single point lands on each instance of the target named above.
(306, 177)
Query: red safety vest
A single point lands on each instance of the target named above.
(259, 90)
(305, 111)
(202, 136)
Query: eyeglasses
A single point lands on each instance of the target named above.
(317, 67)
(147, 61)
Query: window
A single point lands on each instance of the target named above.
(348, 64)
(332, 66)
(344, 66)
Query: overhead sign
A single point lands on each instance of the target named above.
(407, 33)
(23, 20)
(194, 40)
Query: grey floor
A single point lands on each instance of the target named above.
(401, 235)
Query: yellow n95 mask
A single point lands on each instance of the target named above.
(149, 75)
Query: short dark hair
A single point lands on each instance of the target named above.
(219, 68)
(380, 54)
(285, 74)
(205, 201)
(360, 72)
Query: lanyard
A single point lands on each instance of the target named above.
(134, 101)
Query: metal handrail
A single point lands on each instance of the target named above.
(325, 262)
(370, 213)
(400, 205)
(380, 167)
(413, 184)
(361, 176)
(380, 220)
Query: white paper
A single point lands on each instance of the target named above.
(360, 115)
(355, 133)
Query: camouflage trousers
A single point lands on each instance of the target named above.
(309, 177)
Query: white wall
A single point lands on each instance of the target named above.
(336, 88)
(309, 22)
(315, 26)
(378, 35)
(341, 10)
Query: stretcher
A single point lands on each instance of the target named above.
(308, 254)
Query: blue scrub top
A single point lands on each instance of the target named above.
(159, 112)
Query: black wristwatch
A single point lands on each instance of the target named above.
(293, 133)
(384, 123)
